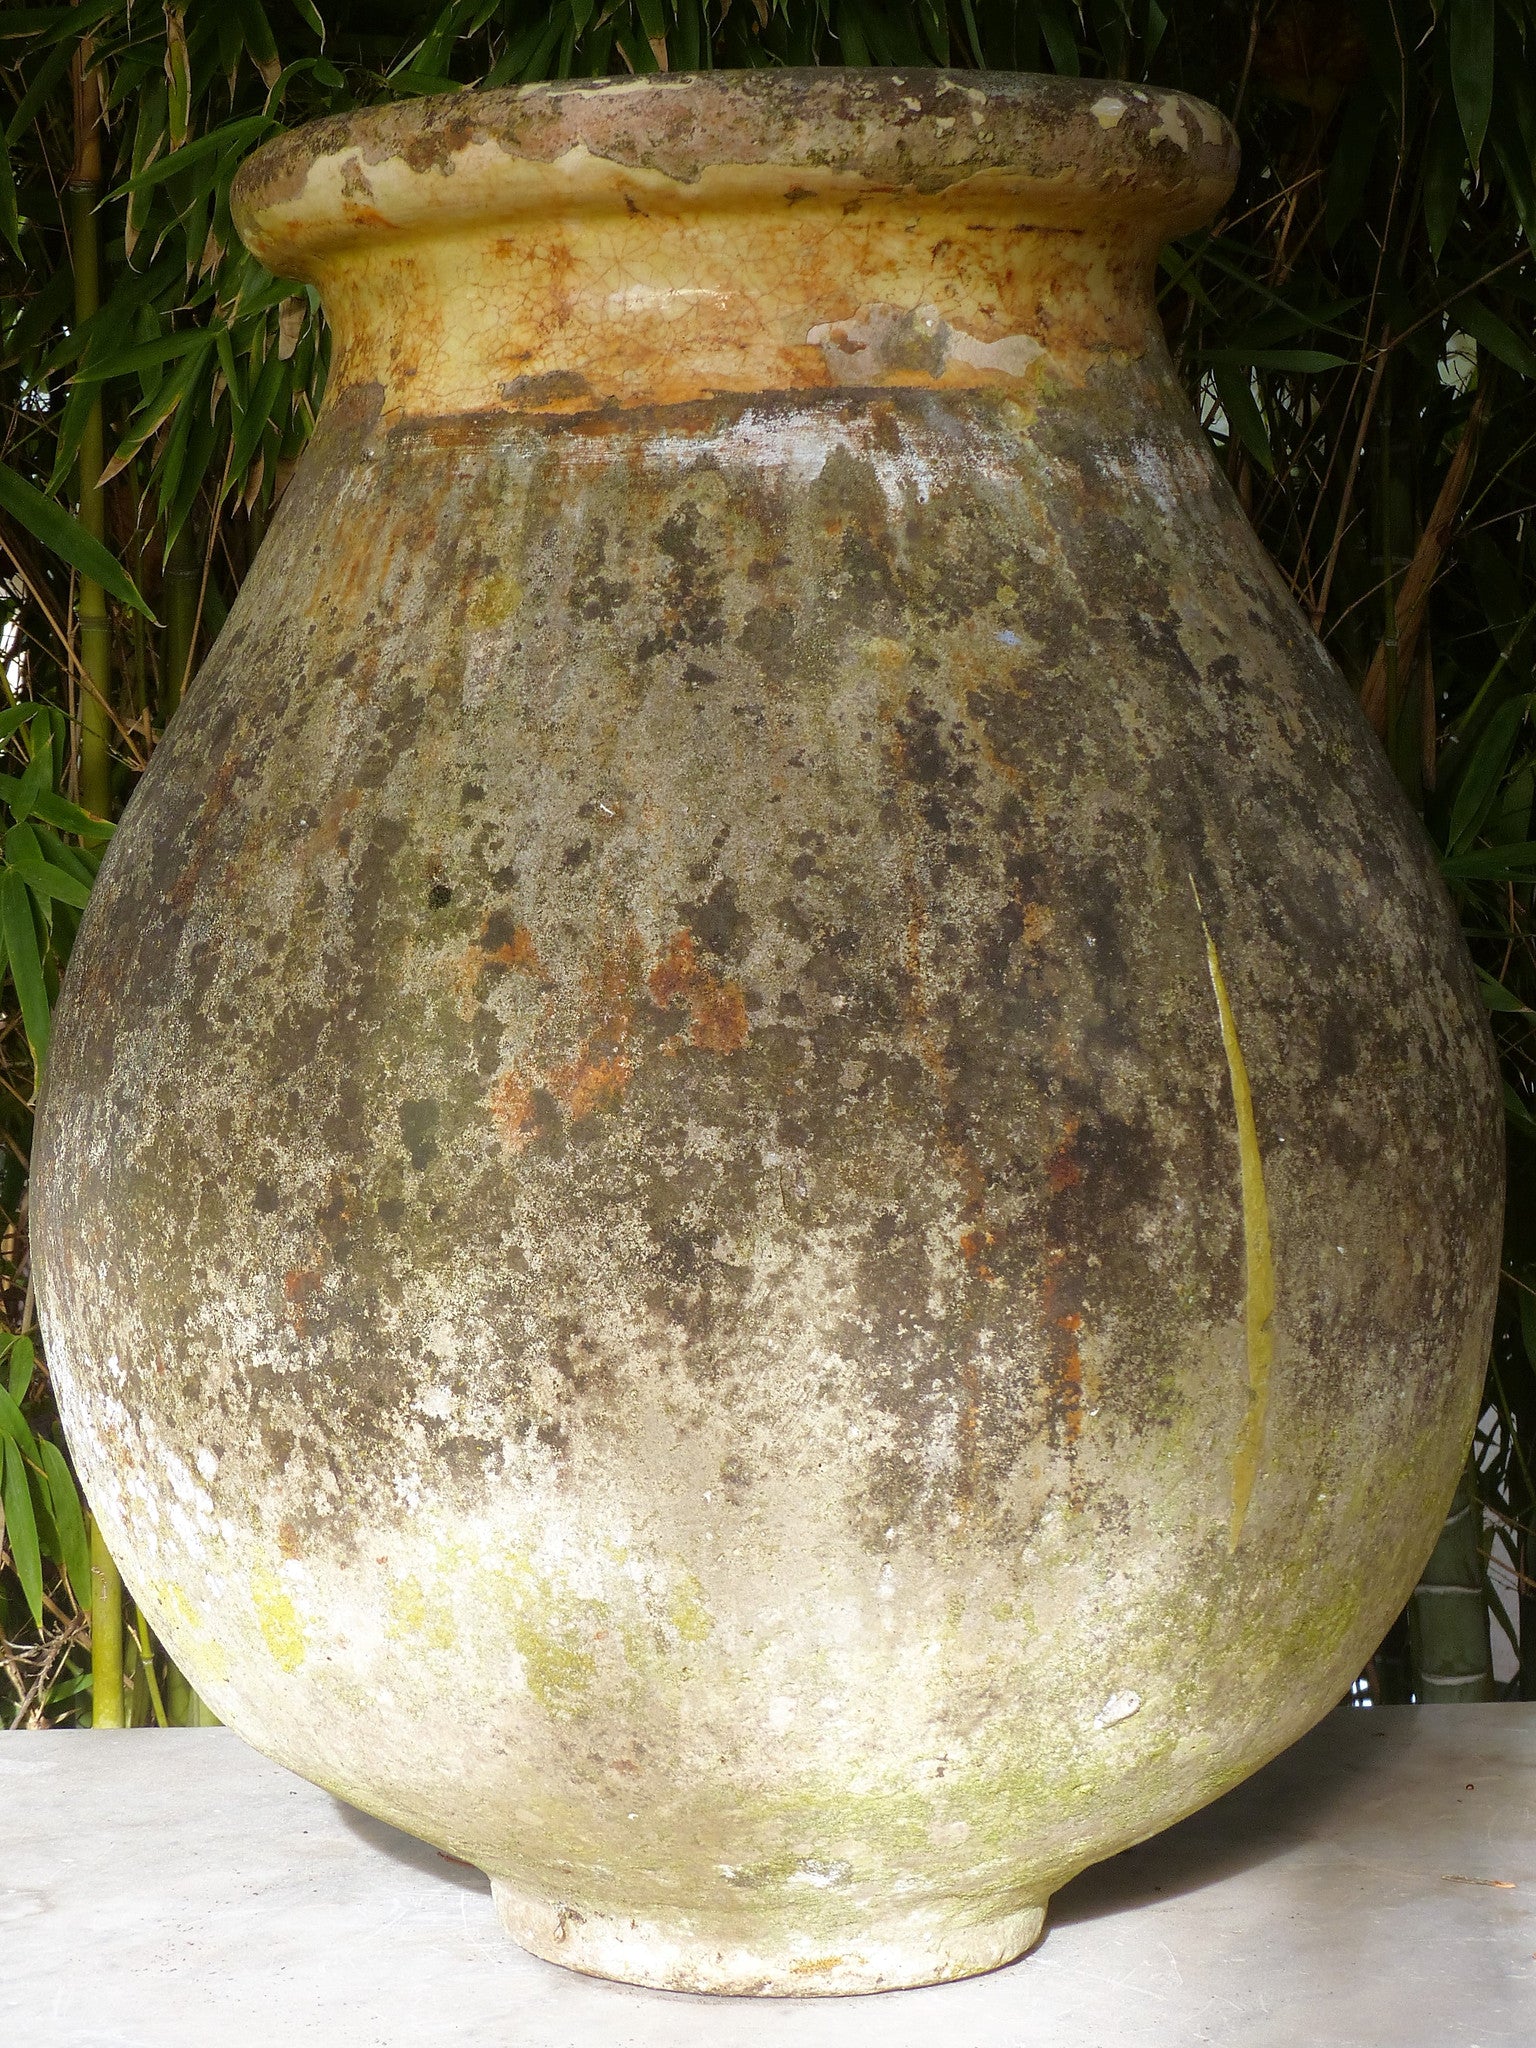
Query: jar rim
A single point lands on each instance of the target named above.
(1071, 147)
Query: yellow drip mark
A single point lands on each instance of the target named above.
(1260, 1305)
(279, 1620)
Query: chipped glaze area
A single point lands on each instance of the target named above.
(646, 1223)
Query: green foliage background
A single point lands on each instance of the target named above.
(1356, 332)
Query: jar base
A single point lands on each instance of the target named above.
(688, 1954)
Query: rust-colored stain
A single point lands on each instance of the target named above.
(330, 830)
(300, 1286)
(220, 790)
(289, 1542)
(974, 1246)
(512, 1112)
(1063, 1327)
(717, 1009)
(517, 955)
(1070, 1362)
(1062, 1169)
(590, 1082)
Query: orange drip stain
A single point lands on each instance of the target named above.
(1062, 1168)
(974, 1246)
(591, 1082)
(517, 955)
(512, 1112)
(717, 1009)
(300, 1286)
(1071, 1366)
(328, 832)
(1064, 1329)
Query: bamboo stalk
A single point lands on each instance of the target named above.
(185, 1707)
(1451, 1654)
(180, 588)
(147, 1666)
(91, 599)
(106, 1636)
(1399, 644)
(178, 1697)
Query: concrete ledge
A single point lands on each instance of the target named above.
(1377, 1884)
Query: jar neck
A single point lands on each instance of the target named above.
(686, 295)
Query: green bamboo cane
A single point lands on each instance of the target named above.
(178, 1697)
(106, 1636)
(184, 1705)
(91, 605)
(1448, 1615)
(147, 1666)
(179, 589)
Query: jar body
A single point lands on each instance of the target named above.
(650, 1239)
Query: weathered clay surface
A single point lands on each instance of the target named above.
(770, 1185)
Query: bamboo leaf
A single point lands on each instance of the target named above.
(1498, 998)
(310, 14)
(37, 773)
(161, 406)
(68, 1520)
(150, 136)
(58, 855)
(1060, 37)
(1484, 770)
(1495, 335)
(850, 35)
(63, 534)
(1495, 864)
(258, 39)
(233, 136)
(38, 93)
(1516, 1113)
(105, 333)
(1471, 54)
(10, 220)
(1243, 414)
(51, 882)
(84, 15)
(178, 77)
(144, 355)
(66, 816)
(1351, 167)
(22, 1365)
(1445, 161)
(273, 378)
(14, 1427)
(21, 1530)
(1300, 361)
(27, 21)
(19, 935)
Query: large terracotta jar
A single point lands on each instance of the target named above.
(770, 1182)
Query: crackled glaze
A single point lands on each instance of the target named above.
(769, 1189)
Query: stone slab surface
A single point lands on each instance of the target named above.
(1377, 1884)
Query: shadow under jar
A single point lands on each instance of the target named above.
(769, 1189)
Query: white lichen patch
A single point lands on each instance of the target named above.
(1120, 1706)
